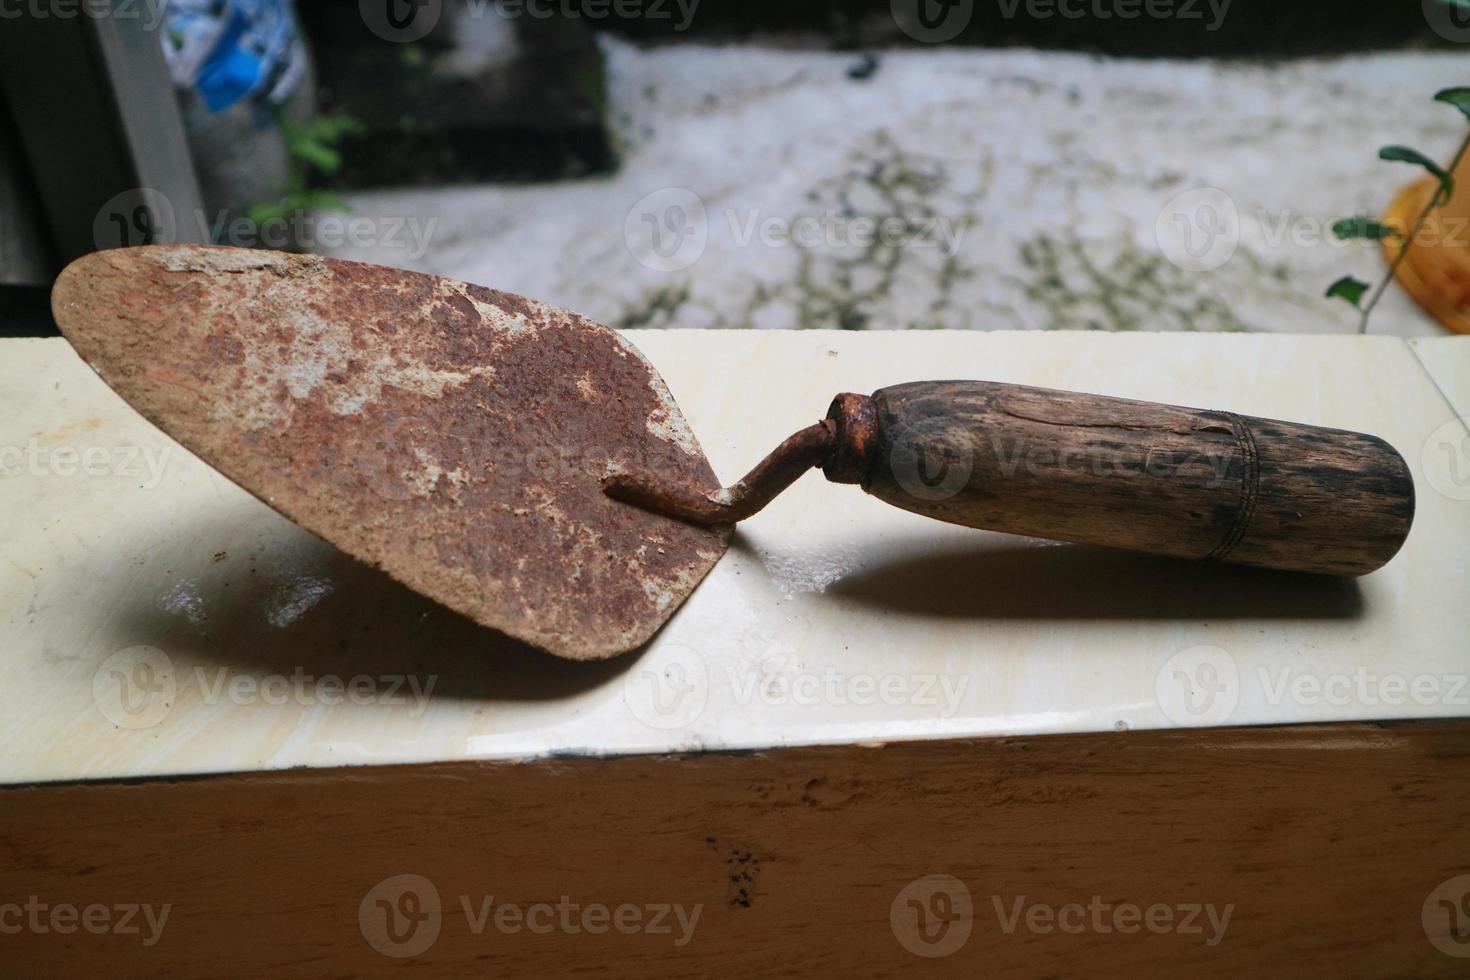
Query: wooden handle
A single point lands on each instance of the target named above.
(1129, 474)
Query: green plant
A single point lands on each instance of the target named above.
(312, 146)
(1353, 290)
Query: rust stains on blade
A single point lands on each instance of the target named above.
(453, 435)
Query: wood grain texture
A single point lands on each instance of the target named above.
(1325, 841)
(1139, 475)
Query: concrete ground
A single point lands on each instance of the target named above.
(970, 189)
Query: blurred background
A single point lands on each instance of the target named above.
(843, 164)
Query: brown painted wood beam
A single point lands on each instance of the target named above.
(1116, 853)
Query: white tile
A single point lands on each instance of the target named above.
(833, 618)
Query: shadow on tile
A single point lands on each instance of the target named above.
(291, 602)
(1008, 578)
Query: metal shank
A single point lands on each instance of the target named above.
(800, 452)
(841, 444)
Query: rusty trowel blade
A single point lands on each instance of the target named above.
(450, 434)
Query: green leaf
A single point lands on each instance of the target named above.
(319, 155)
(315, 140)
(1457, 97)
(1362, 226)
(330, 129)
(1407, 154)
(319, 200)
(259, 214)
(1349, 289)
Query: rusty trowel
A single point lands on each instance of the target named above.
(528, 468)
(452, 435)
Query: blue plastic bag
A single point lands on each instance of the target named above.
(228, 51)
